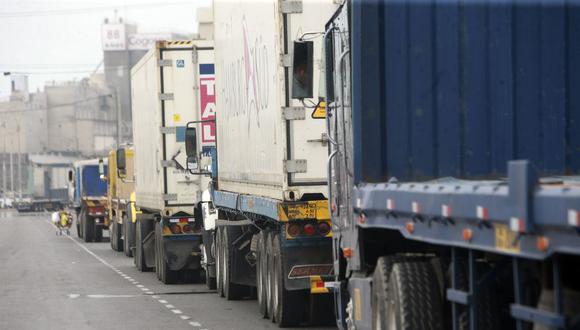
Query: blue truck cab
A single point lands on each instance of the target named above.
(89, 198)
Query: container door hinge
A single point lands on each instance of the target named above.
(168, 163)
(169, 197)
(166, 96)
(294, 113)
(167, 130)
(194, 55)
(285, 60)
(295, 166)
(291, 6)
(165, 63)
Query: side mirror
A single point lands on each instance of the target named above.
(191, 148)
(102, 170)
(70, 176)
(302, 68)
(121, 163)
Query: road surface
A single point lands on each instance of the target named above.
(59, 282)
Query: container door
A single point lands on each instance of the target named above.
(185, 72)
(307, 139)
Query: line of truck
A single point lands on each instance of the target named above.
(383, 164)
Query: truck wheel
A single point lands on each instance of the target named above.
(117, 236)
(219, 262)
(164, 274)
(98, 232)
(79, 225)
(139, 256)
(406, 295)
(88, 224)
(112, 234)
(210, 282)
(128, 236)
(261, 274)
(285, 311)
(232, 291)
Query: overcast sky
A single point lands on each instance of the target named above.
(61, 39)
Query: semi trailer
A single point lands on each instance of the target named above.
(167, 85)
(453, 163)
(272, 236)
(88, 194)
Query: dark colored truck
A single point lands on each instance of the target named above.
(89, 199)
(453, 168)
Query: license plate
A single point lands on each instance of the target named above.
(505, 239)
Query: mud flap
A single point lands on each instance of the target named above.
(149, 249)
(182, 254)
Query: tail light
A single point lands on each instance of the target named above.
(293, 230)
(97, 210)
(309, 229)
(323, 228)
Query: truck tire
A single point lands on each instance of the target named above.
(261, 274)
(79, 225)
(128, 236)
(139, 256)
(115, 235)
(98, 232)
(88, 224)
(406, 295)
(231, 291)
(286, 309)
(210, 282)
(218, 262)
(164, 274)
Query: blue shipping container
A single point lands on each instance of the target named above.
(92, 183)
(459, 88)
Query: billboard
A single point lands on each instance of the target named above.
(113, 37)
(145, 41)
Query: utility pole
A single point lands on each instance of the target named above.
(118, 108)
(19, 162)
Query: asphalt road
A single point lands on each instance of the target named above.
(59, 282)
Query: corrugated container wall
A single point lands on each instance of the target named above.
(459, 88)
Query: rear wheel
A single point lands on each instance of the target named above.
(116, 235)
(232, 291)
(139, 256)
(219, 262)
(88, 225)
(261, 274)
(128, 238)
(164, 274)
(406, 295)
(286, 310)
(210, 282)
(79, 225)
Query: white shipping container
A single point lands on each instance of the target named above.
(260, 151)
(166, 94)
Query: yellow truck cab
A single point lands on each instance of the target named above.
(120, 195)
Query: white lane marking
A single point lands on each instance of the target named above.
(162, 301)
(184, 317)
(140, 285)
(73, 295)
(149, 292)
(155, 297)
(111, 296)
(144, 289)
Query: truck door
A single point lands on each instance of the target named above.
(306, 137)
